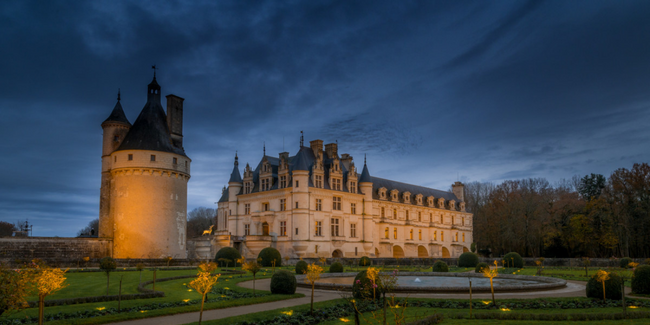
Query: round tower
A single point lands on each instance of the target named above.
(365, 185)
(149, 172)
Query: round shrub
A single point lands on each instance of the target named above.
(365, 261)
(268, 255)
(641, 279)
(336, 267)
(107, 264)
(229, 253)
(468, 259)
(513, 260)
(480, 266)
(283, 282)
(624, 262)
(612, 287)
(362, 287)
(440, 266)
(301, 267)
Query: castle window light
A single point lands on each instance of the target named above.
(353, 187)
(247, 229)
(334, 226)
(442, 236)
(174, 160)
(435, 235)
(463, 237)
(283, 228)
(456, 239)
(336, 203)
(386, 232)
(353, 230)
(265, 229)
(411, 234)
(319, 229)
(420, 234)
(383, 212)
(319, 205)
(283, 204)
(265, 206)
(353, 208)
(395, 233)
(153, 157)
(130, 156)
(247, 208)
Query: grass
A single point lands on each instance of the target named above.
(175, 291)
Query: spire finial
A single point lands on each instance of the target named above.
(118, 94)
(364, 158)
(236, 159)
(264, 148)
(154, 71)
(302, 138)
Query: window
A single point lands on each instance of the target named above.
(395, 233)
(296, 231)
(442, 236)
(336, 184)
(153, 157)
(435, 235)
(319, 205)
(411, 234)
(130, 156)
(441, 218)
(355, 251)
(420, 234)
(265, 207)
(463, 237)
(335, 226)
(175, 160)
(247, 229)
(463, 222)
(283, 228)
(353, 187)
(353, 230)
(430, 217)
(247, 187)
(116, 138)
(383, 212)
(456, 239)
(266, 184)
(283, 181)
(297, 183)
(394, 213)
(319, 228)
(247, 208)
(318, 181)
(336, 203)
(316, 249)
(296, 205)
(115, 159)
(419, 216)
(386, 233)
(407, 214)
(283, 204)
(185, 164)
(353, 208)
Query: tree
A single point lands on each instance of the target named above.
(198, 220)
(591, 186)
(140, 267)
(312, 275)
(14, 288)
(46, 281)
(204, 282)
(108, 265)
(7, 229)
(491, 273)
(91, 229)
(252, 267)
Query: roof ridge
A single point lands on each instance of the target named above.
(430, 188)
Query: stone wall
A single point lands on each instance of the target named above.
(13, 249)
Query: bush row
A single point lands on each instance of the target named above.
(556, 317)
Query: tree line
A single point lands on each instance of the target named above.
(590, 216)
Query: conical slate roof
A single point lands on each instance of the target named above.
(301, 160)
(365, 175)
(117, 115)
(235, 176)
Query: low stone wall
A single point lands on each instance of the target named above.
(52, 248)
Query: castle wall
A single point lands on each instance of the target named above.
(47, 248)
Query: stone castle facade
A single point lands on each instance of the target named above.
(316, 204)
(143, 196)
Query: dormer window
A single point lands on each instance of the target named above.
(418, 199)
(318, 181)
(283, 181)
(407, 197)
(382, 193)
(430, 201)
(393, 195)
(452, 205)
(248, 187)
(336, 184)
(441, 203)
(462, 206)
(353, 187)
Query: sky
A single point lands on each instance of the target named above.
(431, 91)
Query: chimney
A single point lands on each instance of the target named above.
(331, 150)
(458, 189)
(175, 119)
(316, 147)
(346, 159)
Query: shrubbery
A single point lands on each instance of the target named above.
(301, 267)
(612, 287)
(624, 262)
(440, 266)
(268, 255)
(336, 267)
(362, 287)
(229, 253)
(480, 266)
(641, 279)
(468, 259)
(365, 261)
(283, 282)
(107, 264)
(513, 260)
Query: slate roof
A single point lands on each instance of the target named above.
(378, 183)
(365, 175)
(117, 115)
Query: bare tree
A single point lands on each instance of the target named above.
(198, 220)
(91, 229)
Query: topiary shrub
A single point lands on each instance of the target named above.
(283, 282)
(336, 267)
(468, 259)
(612, 287)
(514, 260)
(624, 262)
(268, 255)
(229, 253)
(365, 261)
(107, 264)
(301, 267)
(362, 287)
(440, 266)
(641, 279)
(480, 266)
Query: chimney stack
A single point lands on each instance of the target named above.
(175, 119)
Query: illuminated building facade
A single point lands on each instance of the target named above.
(143, 196)
(315, 204)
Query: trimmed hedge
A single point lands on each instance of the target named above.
(612, 287)
(362, 287)
(230, 253)
(283, 282)
(641, 279)
(624, 262)
(440, 266)
(365, 261)
(513, 260)
(336, 267)
(301, 267)
(268, 255)
(468, 259)
(480, 266)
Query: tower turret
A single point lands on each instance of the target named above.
(235, 183)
